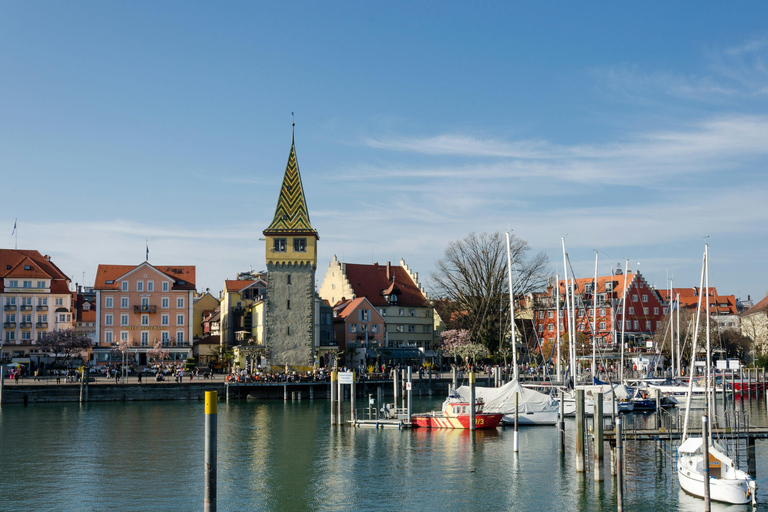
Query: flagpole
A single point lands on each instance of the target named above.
(15, 232)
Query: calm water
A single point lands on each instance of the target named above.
(277, 456)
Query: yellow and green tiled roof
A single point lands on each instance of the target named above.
(291, 214)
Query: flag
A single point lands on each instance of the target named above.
(147, 251)
(14, 228)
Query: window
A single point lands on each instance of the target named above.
(602, 311)
(631, 311)
(602, 325)
(42, 302)
(288, 304)
(620, 310)
(139, 286)
(609, 286)
(550, 314)
(411, 328)
(279, 245)
(665, 310)
(63, 317)
(299, 245)
(26, 335)
(411, 312)
(382, 312)
(124, 286)
(27, 284)
(59, 301)
(165, 338)
(400, 328)
(352, 328)
(375, 328)
(26, 301)
(10, 318)
(42, 319)
(107, 319)
(123, 335)
(365, 315)
(180, 302)
(645, 298)
(179, 319)
(393, 298)
(637, 324)
(10, 335)
(10, 301)
(656, 311)
(41, 284)
(288, 278)
(41, 335)
(150, 286)
(123, 302)
(588, 288)
(145, 303)
(13, 283)
(645, 311)
(163, 319)
(550, 327)
(647, 325)
(165, 286)
(144, 319)
(108, 302)
(144, 338)
(541, 327)
(179, 337)
(164, 302)
(108, 337)
(402, 312)
(658, 325)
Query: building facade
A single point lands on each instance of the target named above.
(140, 306)
(36, 300)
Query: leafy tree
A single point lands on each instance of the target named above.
(472, 280)
(471, 352)
(64, 343)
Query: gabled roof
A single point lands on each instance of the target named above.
(757, 308)
(371, 281)
(617, 280)
(12, 263)
(291, 214)
(237, 285)
(689, 298)
(183, 277)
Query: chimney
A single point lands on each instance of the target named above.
(389, 271)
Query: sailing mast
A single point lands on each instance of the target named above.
(594, 323)
(511, 308)
(671, 328)
(679, 351)
(623, 321)
(568, 314)
(709, 348)
(692, 373)
(557, 324)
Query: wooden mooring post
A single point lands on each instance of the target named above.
(562, 423)
(598, 438)
(580, 466)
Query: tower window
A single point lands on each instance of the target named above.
(280, 245)
(299, 245)
(288, 304)
(288, 278)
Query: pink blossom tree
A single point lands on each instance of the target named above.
(455, 338)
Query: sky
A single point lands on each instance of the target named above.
(635, 129)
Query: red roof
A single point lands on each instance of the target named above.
(182, 276)
(689, 298)
(371, 281)
(237, 285)
(13, 261)
(760, 306)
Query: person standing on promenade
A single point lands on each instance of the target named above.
(140, 372)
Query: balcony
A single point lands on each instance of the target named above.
(26, 307)
(42, 307)
(9, 325)
(10, 307)
(144, 309)
(42, 325)
(26, 325)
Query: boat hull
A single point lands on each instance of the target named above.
(735, 491)
(438, 420)
(532, 418)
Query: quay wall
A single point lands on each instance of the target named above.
(106, 392)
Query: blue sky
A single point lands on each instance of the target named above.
(634, 129)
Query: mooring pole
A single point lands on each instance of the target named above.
(657, 396)
(580, 431)
(749, 383)
(598, 437)
(209, 500)
(340, 402)
(2, 384)
(353, 399)
(562, 422)
(395, 374)
(454, 378)
(334, 389)
(751, 461)
(82, 385)
(619, 468)
(378, 401)
(741, 382)
(516, 438)
(471, 400)
(410, 392)
(403, 380)
(705, 462)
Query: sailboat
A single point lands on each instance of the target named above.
(706, 469)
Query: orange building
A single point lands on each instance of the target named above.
(141, 306)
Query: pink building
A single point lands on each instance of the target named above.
(141, 306)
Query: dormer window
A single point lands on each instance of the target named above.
(393, 298)
(86, 306)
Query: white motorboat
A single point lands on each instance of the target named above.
(726, 483)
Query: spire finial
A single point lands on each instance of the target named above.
(293, 125)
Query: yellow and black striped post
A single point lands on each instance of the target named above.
(209, 504)
(472, 420)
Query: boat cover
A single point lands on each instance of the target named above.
(690, 445)
(622, 391)
(503, 399)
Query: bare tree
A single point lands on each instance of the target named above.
(64, 343)
(472, 280)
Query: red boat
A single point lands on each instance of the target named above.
(455, 414)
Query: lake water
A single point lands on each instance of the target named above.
(285, 456)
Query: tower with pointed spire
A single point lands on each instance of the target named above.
(291, 254)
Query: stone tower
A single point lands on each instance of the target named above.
(291, 254)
